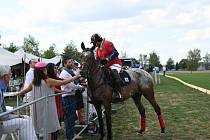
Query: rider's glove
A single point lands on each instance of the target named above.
(103, 62)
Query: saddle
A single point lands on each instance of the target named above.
(125, 77)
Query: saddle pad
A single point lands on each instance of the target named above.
(125, 77)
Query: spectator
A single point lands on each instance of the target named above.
(44, 86)
(156, 75)
(164, 70)
(13, 123)
(68, 99)
(52, 73)
(150, 69)
(57, 70)
(29, 78)
(79, 97)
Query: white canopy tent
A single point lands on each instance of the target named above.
(9, 58)
(26, 56)
(54, 60)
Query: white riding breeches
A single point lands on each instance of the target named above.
(117, 67)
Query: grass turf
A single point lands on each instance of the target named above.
(198, 79)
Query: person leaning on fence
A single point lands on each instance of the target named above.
(11, 123)
(68, 99)
(43, 86)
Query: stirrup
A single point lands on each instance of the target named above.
(117, 96)
(120, 95)
(117, 99)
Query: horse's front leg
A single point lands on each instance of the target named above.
(100, 119)
(108, 121)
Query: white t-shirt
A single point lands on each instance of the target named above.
(164, 68)
(29, 78)
(70, 87)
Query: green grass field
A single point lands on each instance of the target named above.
(186, 112)
(198, 79)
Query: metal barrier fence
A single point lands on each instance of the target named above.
(20, 125)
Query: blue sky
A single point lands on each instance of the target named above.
(169, 27)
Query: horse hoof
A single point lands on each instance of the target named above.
(141, 131)
(162, 135)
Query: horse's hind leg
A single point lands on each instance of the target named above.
(149, 95)
(142, 122)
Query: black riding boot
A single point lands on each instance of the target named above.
(117, 85)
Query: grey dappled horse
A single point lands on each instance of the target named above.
(101, 91)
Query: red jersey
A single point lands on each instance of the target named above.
(105, 51)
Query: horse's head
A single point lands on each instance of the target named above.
(87, 59)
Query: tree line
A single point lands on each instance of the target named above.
(192, 62)
(31, 45)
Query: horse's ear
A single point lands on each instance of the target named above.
(82, 45)
(93, 48)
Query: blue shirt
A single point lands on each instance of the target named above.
(2, 86)
(3, 109)
(2, 103)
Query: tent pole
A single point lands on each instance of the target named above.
(24, 68)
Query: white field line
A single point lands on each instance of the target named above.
(190, 85)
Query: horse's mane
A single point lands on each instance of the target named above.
(88, 49)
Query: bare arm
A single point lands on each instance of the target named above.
(23, 92)
(57, 90)
(53, 82)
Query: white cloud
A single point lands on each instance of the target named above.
(206, 11)
(196, 34)
(184, 18)
(52, 10)
(154, 14)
